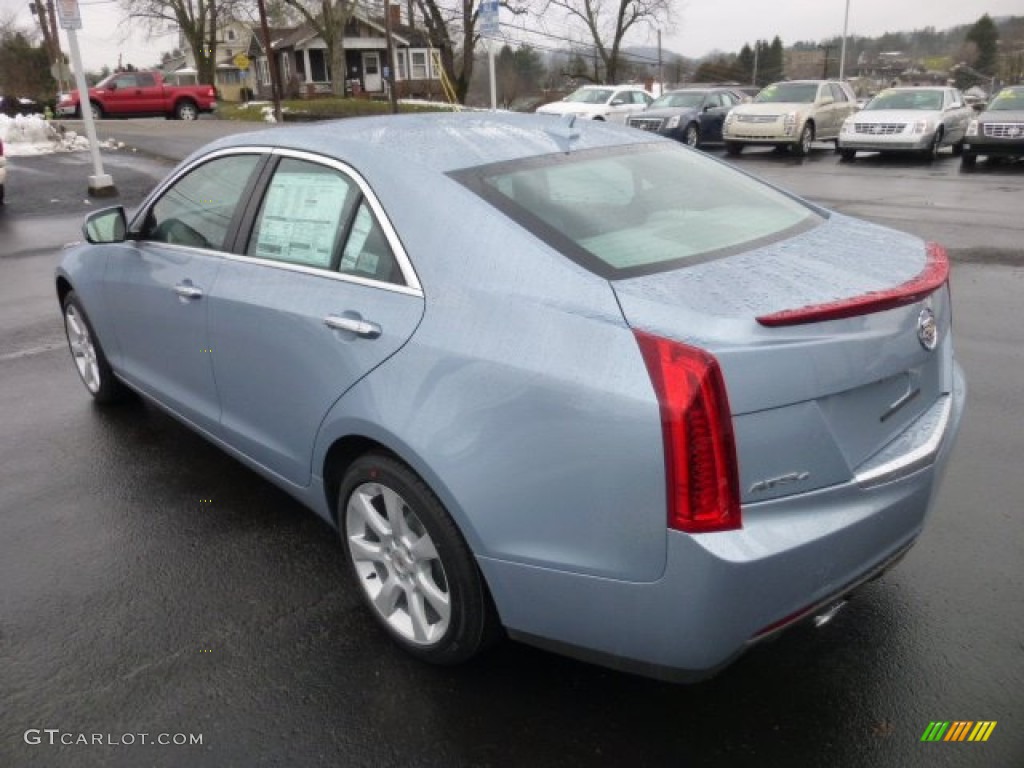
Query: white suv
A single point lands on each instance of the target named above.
(790, 114)
(601, 102)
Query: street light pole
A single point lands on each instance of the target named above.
(842, 50)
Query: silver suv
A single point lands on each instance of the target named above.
(790, 114)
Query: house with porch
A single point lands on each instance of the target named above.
(231, 80)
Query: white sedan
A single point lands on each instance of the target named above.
(912, 119)
(601, 102)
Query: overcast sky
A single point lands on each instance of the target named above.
(701, 26)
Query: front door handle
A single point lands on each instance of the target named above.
(187, 291)
(354, 325)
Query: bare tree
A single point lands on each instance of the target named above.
(328, 19)
(445, 25)
(196, 19)
(608, 21)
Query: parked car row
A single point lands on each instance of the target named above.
(792, 115)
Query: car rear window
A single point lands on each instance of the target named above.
(639, 209)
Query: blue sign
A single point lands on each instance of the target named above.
(488, 18)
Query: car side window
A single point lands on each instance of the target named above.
(197, 209)
(367, 252)
(838, 94)
(303, 215)
(145, 80)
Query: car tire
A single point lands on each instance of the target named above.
(803, 144)
(1, 194)
(958, 148)
(932, 152)
(838, 149)
(691, 136)
(88, 355)
(97, 110)
(847, 155)
(421, 584)
(186, 110)
(968, 159)
(733, 148)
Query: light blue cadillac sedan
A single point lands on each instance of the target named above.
(539, 385)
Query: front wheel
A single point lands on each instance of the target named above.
(932, 152)
(958, 148)
(733, 148)
(691, 136)
(416, 573)
(847, 155)
(91, 362)
(803, 144)
(968, 159)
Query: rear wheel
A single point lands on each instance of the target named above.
(186, 110)
(97, 110)
(803, 144)
(847, 155)
(691, 136)
(968, 159)
(416, 573)
(733, 148)
(91, 362)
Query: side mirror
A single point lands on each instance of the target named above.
(106, 226)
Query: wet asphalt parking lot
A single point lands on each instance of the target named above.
(151, 585)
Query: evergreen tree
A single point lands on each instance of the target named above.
(985, 36)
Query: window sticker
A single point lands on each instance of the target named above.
(300, 218)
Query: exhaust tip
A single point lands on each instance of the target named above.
(825, 616)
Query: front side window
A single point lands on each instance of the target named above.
(633, 210)
(590, 96)
(197, 209)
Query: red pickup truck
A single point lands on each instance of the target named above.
(141, 94)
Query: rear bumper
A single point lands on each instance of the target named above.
(66, 110)
(722, 592)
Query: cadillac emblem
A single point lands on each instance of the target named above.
(927, 329)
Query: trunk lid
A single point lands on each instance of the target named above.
(813, 403)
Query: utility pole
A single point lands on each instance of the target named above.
(275, 77)
(661, 72)
(390, 77)
(842, 51)
(757, 51)
(824, 71)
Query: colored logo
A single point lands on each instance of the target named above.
(959, 730)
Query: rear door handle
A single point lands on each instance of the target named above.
(188, 291)
(354, 325)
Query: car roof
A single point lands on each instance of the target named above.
(439, 141)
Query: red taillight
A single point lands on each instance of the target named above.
(934, 274)
(696, 428)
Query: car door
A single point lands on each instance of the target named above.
(713, 111)
(320, 294)
(158, 284)
(956, 114)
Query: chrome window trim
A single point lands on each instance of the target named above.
(412, 287)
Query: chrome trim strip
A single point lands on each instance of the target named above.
(912, 460)
(317, 272)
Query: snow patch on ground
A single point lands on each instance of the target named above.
(34, 135)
